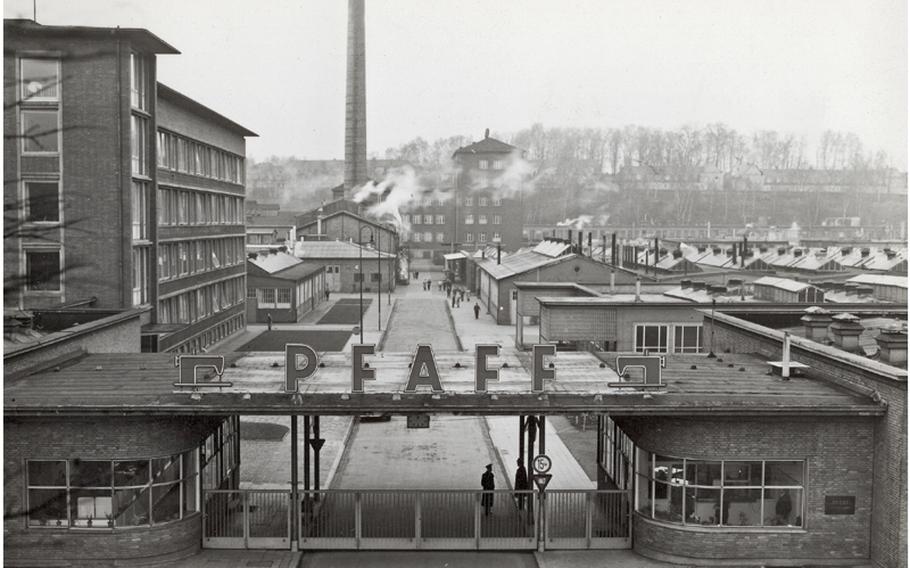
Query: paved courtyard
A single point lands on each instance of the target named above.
(320, 340)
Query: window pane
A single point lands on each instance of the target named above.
(128, 473)
(668, 469)
(40, 131)
(46, 507)
(702, 506)
(166, 469)
(742, 507)
(166, 499)
(90, 504)
(90, 473)
(39, 78)
(43, 202)
(132, 506)
(742, 473)
(668, 502)
(783, 473)
(783, 507)
(43, 270)
(702, 473)
(47, 473)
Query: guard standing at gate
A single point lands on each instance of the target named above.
(488, 484)
(521, 484)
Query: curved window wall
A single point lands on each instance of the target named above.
(721, 493)
(106, 494)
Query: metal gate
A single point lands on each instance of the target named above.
(418, 520)
(252, 518)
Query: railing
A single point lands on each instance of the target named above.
(428, 519)
(420, 519)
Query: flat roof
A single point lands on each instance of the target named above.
(178, 98)
(695, 385)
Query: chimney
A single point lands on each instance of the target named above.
(743, 251)
(590, 244)
(498, 253)
(613, 249)
(638, 289)
(612, 281)
(785, 357)
(319, 221)
(846, 330)
(486, 133)
(684, 284)
(570, 238)
(816, 322)
(581, 243)
(355, 128)
(892, 346)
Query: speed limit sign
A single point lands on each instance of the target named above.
(542, 463)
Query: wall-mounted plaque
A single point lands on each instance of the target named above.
(840, 504)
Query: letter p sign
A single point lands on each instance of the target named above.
(300, 362)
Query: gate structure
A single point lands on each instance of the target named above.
(418, 520)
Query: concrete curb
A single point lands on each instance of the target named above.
(330, 477)
(492, 447)
(388, 325)
(454, 329)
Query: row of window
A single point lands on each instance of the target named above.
(427, 237)
(183, 207)
(184, 155)
(310, 289)
(441, 219)
(737, 493)
(220, 454)
(665, 338)
(109, 494)
(485, 164)
(195, 305)
(184, 258)
(468, 202)
(211, 336)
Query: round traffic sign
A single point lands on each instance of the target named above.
(542, 463)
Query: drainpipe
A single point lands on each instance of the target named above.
(498, 253)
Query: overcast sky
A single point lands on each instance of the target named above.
(437, 68)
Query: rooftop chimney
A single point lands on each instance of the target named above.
(892, 345)
(486, 133)
(816, 322)
(846, 330)
(355, 128)
(638, 289)
(685, 284)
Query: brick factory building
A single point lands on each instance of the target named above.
(481, 204)
(127, 193)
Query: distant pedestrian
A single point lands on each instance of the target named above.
(268, 319)
(521, 484)
(454, 297)
(476, 310)
(416, 275)
(488, 484)
(327, 293)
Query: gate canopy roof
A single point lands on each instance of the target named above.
(694, 385)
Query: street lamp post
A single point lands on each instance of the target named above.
(361, 275)
(378, 281)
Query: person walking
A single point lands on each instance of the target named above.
(488, 484)
(476, 310)
(268, 319)
(327, 293)
(521, 484)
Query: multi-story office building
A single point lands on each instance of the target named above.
(485, 204)
(89, 215)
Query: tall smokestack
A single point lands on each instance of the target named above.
(355, 124)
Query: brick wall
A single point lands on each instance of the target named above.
(889, 517)
(94, 438)
(838, 453)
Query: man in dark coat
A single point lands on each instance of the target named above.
(488, 484)
(476, 310)
(521, 483)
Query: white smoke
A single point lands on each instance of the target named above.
(519, 176)
(578, 223)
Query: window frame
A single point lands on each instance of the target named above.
(26, 200)
(25, 139)
(23, 97)
(26, 280)
(666, 333)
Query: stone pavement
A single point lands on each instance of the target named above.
(241, 559)
(420, 320)
(567, 473)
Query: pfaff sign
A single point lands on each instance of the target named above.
(302, 362)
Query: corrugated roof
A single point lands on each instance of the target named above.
(276, 262)
(518, 263)
(781, 283)
(880, 279)
(552, 249)
(335, 250)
